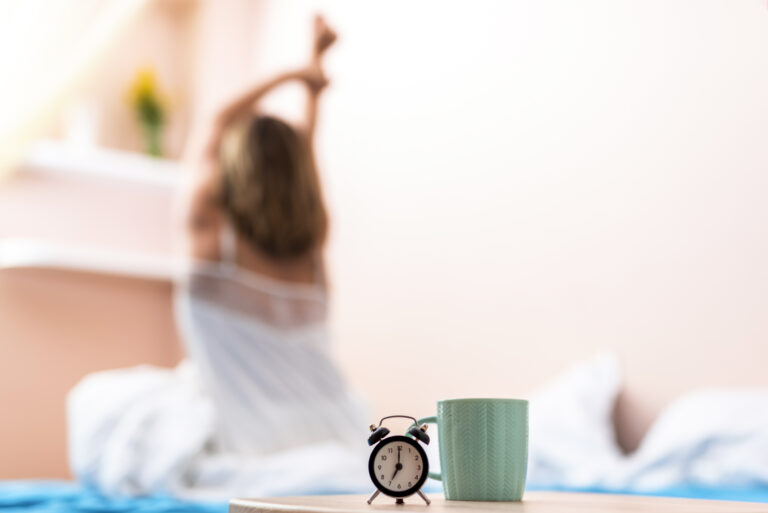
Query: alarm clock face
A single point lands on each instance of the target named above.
(398, 466)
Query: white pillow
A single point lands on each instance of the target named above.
(572, 438)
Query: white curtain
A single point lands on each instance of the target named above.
(47, 48)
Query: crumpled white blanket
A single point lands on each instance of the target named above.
(147, 430)
(708, 438)
(571, 436)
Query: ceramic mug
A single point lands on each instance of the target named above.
(483, 448)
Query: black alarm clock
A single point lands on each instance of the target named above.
(398, 465)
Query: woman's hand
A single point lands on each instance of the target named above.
(313, 74)
(314, 77)
(324, 36)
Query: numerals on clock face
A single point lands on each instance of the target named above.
(398, 466)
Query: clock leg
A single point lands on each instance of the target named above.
(423, 497)
(375, 494)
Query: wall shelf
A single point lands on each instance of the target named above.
(60, 158)
(19, 253)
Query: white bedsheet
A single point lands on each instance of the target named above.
(148, 430)
(710, 438)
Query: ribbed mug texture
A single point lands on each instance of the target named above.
(483, 448)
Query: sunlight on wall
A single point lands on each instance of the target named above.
(515, 185)
(46, 49)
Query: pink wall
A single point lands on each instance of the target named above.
(516, 185)
(55, 327)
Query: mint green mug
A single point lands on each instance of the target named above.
(483, 448)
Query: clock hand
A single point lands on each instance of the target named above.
(399, 465)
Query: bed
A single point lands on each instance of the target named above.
(142, 293)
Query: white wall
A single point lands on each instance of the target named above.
(515, 185)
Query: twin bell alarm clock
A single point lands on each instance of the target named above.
(398, 465)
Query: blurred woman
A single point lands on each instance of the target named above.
(253, 312)
(260, 384)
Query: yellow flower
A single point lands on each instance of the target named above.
(144, 96)
(144, 84)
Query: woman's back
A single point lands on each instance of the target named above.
(261, 346)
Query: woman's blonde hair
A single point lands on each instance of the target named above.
(270, 188)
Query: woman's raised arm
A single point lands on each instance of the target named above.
(204, 143)
(322, 39)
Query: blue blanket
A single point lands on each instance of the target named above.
(65, 497)
(755, 494)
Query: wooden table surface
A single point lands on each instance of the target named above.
(534, 502)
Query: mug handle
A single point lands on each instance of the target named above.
(430, 420)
